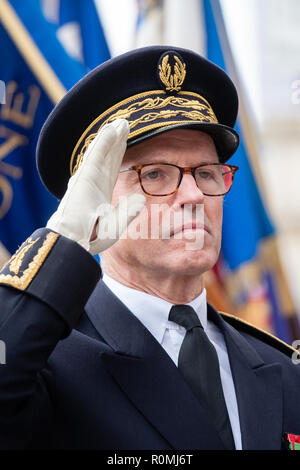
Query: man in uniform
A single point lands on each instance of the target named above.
(137, 359)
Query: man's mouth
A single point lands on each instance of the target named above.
(189, 226)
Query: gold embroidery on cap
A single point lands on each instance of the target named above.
(154, 103)
(23, 281)
(167, 114)
(158, 103)
(87, 142)
(172, 81)
(195, 108)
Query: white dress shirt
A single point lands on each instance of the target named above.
(153, 312)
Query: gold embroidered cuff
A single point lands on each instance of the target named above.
(23, 266)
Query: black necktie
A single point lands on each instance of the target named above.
(199, 365)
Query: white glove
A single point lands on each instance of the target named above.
(89, 193)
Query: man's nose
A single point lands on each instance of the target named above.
(188, 191)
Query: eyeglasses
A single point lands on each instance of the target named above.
(163, 179)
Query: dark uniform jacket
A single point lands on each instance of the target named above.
(82, 372)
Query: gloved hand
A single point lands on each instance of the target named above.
(89, 193)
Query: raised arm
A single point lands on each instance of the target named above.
(46, 284)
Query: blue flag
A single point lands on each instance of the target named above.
(35, 72)
(81, 32)
(246, 223)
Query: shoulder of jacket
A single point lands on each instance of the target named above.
(262, 335)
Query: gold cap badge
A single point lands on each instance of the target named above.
(172, 82)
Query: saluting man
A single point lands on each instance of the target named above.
(130, 355)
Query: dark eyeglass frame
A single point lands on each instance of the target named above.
(182, 169)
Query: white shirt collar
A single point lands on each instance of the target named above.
(153, 311)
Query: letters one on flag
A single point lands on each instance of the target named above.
(35, 72)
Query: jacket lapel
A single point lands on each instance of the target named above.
(148, 376)
(258, 389)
